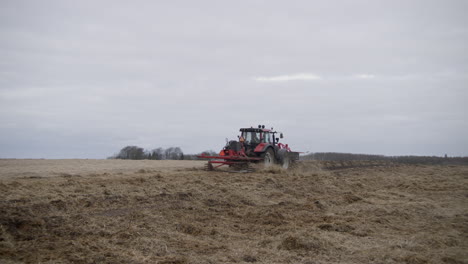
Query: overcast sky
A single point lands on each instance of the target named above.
(82, 79)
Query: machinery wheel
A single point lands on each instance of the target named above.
(268, 158)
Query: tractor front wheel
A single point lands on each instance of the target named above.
(268, 158)
(284, 159)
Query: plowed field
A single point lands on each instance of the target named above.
(115, 211)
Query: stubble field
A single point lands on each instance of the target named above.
(116, 211)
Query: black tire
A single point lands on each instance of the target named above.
(268, 157)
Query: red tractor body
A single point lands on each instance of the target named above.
(255, 145)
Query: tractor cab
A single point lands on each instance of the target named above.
(252, 137)
(256, 136)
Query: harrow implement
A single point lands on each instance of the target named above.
(238, 162)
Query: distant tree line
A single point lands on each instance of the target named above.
(172, 153)
(335, 156)
(138, 153)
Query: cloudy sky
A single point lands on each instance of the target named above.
(82, 79)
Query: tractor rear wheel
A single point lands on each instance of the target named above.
(268, 157)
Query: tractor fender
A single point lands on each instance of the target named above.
(262, 147)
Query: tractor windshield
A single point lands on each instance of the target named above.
(251, 137)
(256, 137)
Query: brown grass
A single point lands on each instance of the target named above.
(150, 212)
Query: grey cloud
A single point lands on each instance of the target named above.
(391, 75)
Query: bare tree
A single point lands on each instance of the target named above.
(131, 152)
(158, 154)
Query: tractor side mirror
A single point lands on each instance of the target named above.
(277, 139)
(281, 135)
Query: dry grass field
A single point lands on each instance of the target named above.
(116, 211)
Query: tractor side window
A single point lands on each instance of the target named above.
(266, 138)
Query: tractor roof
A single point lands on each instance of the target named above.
(251, 129)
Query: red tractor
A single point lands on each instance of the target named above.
(255, 145)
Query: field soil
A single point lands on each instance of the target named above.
(173, 212)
